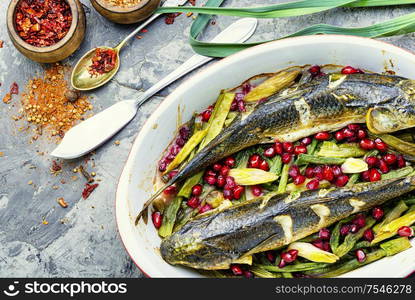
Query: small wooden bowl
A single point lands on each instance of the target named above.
(126, 15)
(57, 52)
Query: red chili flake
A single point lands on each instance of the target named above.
(1, 44)
(103, 61)
(14, 89)
(43, 23)
(89, 188)
(192, 2)
(169, 19)
(144, 30)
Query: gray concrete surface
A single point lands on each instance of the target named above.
(82, 240)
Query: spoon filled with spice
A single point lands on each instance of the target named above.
(99, 65)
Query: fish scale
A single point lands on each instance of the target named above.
(217, 239)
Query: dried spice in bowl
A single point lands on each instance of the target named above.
(122, 3)
(103, 61)
(43, 23)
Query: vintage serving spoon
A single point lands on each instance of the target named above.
(81, 79)
(94, 131)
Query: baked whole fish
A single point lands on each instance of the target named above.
(215, 240)
(328, 103)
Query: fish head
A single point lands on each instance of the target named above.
(396, 114)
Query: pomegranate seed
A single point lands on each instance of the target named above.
(337, 171)
(270, 256)
(246, 88)
(301, 149)
(313, 184)
(368, 235)
(228, 194)
(171, 190)
(180, 142)
(339, 136)
(288, 147)
(254, 161)
(300, 179)
(381, 145)
(184, 132)
(206, 115)
(374, 175)
(342, 180)
(309, 172)
(220, 181)
(197, 190)
(390, 158)
(162, 166)
(237, 191)
(278, 148)
(157, 219)
(348, 133)
(350, 70)
(256, 190)
(352, 139)
(377, 213)
(406, 231)
(234, 105)
(361, 134)
(264, 165)
(193, 202)
(225, 171)
(328, 173)
(306, 141)
(314, 70)
(324, 234)
(359, 221)
(270, 152)
(170, 157)
(318, 172)
(401, 161)
(248, 274)
(175, 149)
(322, 136)
(282, 264)
(360, 255)
(354, 127)
(345, 229)
(294, 171)
(383, 166)
(326, 246)
(205, 208)
(230, 182)
(367, 144)
(210, 173)
(210, 179)
(366, 175)
(230, 162)
(217, 167)
(318, 243)
(286, 158)
(241, 106)
(236, 270)
(372, 161)
(354, 228)
(172, 174)
(289, 256)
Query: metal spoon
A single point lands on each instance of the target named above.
(82, 80)
(94, 131)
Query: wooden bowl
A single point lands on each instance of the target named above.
(126, 15)
(57, 52)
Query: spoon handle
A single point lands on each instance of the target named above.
(137, 30)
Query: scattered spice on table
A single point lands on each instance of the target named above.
(62, 202)
(122, 3)
(84, 173)
(103, 61)
(1, 44)
(45, 105)
(1, 154)
(43, 23)
(169, 19)
(14, 90)
(56, 168)
(89, 188)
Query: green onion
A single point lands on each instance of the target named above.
(398, 173)
(395, 246)
(335, 234)
(169, 217)
(252, 176)
(260, 272)
(306, 159)
(275, 165)
(331, 149)
(284, 179)
(294, 268)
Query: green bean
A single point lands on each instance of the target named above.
(331, 149)
(409, 201)
(353, 179)
(353, 264)
(186, 189)
(351, 239)
(312, 147)
(169, 217)
(276, 165)
(306, 158)
(287, 275)
(335, 234)
(361, 245)
(284, 179)
(398, 173)
(395, 246)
